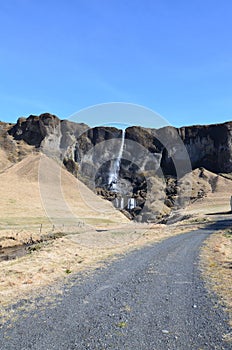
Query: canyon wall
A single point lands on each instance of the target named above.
(150, 162)
(207, 146)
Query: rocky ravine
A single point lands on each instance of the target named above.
(151, 162)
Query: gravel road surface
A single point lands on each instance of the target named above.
(151, 299)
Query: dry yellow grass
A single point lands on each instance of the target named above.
(38, 191)
(39, 188)
(216, 260)
(216, 254)
(4, 161)
(71, 254)
(94, 230)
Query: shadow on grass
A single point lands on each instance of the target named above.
(220, 224)
(221, 213)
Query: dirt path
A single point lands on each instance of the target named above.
(153, 298)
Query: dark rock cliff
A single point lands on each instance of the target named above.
(208, 146)
(48, 133)
(147, 159)
(33, 129)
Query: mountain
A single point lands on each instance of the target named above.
(141, 163)
(208, 146)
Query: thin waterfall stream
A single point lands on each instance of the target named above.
(120, 186)
(114, 172)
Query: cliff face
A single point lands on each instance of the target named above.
(207, 146)
(34, 129)
(138, 162)
(48, 133)
(12, 149)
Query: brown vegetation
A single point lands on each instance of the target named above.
(217, 266)
(93, 231)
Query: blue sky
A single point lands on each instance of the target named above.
(174, 57)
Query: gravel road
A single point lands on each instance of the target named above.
(151, 299)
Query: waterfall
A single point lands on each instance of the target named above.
(114, 172)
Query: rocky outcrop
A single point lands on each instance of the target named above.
(34, 129)
(165, 145)
(209, 146)
(14, 150)
(150, 157)
(48, 133)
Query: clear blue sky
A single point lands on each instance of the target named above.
(172, 56)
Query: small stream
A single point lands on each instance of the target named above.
(11, 253)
